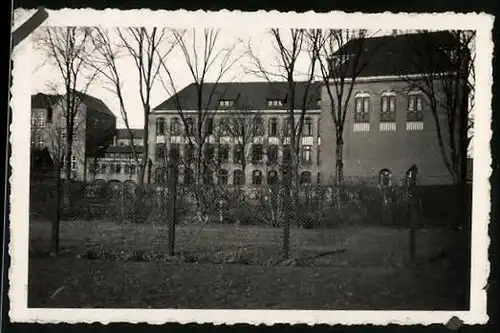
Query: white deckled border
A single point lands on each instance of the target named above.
(19, 181)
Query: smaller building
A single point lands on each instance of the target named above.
(118, 163)
(94, 126)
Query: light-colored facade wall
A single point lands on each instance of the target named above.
(167, 140)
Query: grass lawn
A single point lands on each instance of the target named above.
(240, 267)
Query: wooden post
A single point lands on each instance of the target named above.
(171, 205)
(413, 211)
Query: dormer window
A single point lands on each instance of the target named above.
(226, 103)
(274, 102)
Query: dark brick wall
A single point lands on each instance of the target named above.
(366, 153)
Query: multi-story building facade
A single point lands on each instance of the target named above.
(245, 128)
(94, 127)
(118, 163)
(389, 123)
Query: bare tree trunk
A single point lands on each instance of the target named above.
(171, 206)
(57, 212)
(339, 160)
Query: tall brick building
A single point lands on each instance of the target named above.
(95, 125)
(389, 123)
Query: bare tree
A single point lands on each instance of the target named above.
(105, 60)
(69, 49)
(206, 60)
(148, 49)
(446, 69)
(288, 49)
(342, 57)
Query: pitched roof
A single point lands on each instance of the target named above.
(94, 103)
(398, 54)
(247, 96)
(123, 133)
(43, 101)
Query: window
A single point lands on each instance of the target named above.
(209, 126)
(160, 126)
(41, 141)
(238, 177)
(175, 127)
(318, 178)
(257, 153)
(118, 168)
(256, 177)
(274, 102)
(308, 127)
(160, 152)
(305, 177)
(388, 108)
(414, 107)
(272, 153)
(224, 127)
(318, 155)
(189, 126)
(102, 168)
(222, 177)
(132, 169)
(272, 177)
(127, 169)
(306, 154)
(362, 108)
(174, 151)
(73, 162)
(226, 103)
(223, 153)
(238, 154)
(38, 119)
(318, 129)
(258, 127)
(273, 127)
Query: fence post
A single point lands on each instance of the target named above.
(171, 203)
(57, 213)
(412, 204)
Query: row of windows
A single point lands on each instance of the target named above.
(238, 177)
(115, 168)
(256, 153)
(253, 126)
(40, 118)
(387, 108)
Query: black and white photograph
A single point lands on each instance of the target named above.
(176, 166)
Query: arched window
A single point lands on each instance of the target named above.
(308, 127)
(272, 177)
(305, 177)
(175, 127)
(362, 108)
(238, 177)
(273, 127)
(388, 107)
(222, 176)
(256, 177)
(160, 126)
(415, 105)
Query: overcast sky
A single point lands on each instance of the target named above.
(46, 75)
